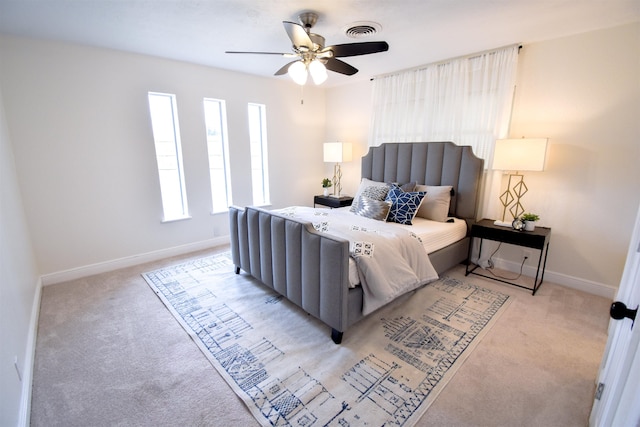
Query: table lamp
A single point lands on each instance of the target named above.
(337, 152)
(524, 154)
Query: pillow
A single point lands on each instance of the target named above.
(436, 204)
(374, 209)
(404, 205)
(409, 186)
(371, 189)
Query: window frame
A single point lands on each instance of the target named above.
(261, 135)
(224, 148)
(169, 215)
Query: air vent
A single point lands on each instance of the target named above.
(362, 29)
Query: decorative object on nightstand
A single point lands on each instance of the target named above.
(337, 152)
(529, 220)
(326, 184)
(332, 202)
(525, 154)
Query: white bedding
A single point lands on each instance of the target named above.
(391, 258)
(434, 235)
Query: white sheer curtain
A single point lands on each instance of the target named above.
(465, 100)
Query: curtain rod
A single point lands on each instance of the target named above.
(445, 61)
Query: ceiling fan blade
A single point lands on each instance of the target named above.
(298, 35)
(260, 53)
(355, 49)
(284, 69)
(340, 67)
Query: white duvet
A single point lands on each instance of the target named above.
(391, 260)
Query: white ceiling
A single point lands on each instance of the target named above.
(199, 31)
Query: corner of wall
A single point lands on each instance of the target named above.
(29, 362)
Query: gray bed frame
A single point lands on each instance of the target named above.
(310, 268)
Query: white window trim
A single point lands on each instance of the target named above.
(225, 151)
(179, 159)
(266, 199)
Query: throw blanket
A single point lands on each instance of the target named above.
(391, 259)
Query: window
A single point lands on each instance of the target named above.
(467, 100)
(215, 119)
(166, 134)
(259, 160)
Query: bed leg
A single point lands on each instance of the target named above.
(336, 336)
(237, 270)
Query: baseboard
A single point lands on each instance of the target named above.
(24, 419)
(103, 267)
(577, 283)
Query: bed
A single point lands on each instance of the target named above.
(311, 268)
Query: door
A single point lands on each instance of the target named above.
(617, 401)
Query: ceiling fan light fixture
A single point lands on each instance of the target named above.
(298, 72)
(318, 71)
(315, 58)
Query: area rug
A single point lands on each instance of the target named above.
(282, 363)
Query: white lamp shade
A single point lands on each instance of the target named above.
(318, 71)
(298, 72)
(524, 154)
(337, 152)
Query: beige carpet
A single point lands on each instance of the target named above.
(109, 353)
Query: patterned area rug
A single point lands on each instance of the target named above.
(282, 363)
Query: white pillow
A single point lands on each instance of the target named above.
(435, 205)
(371, 189)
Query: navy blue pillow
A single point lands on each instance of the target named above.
(404, 205)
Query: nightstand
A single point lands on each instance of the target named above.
(332, 202)
(537, 239)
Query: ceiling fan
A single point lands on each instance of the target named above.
(313, 57)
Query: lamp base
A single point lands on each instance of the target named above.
(337, 176)
(502, 223)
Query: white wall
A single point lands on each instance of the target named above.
(348, 115)
(85, 157)
(19, 289)
(583, 92)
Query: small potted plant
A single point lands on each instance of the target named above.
(529, 220)
(326, 183)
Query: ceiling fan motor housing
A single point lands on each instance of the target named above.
(308, 20)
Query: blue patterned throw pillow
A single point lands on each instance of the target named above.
(404, 205)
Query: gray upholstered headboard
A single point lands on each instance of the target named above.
(430, 163)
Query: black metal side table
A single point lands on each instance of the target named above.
(332, 202)
(537, 239)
